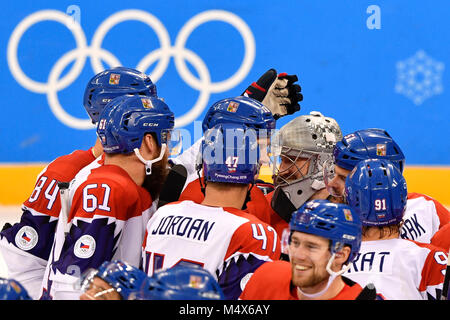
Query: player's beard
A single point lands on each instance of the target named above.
(311, 279)
(334, 199)
(153, 183)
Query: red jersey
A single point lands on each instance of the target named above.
(257, 206)
(275, 220)
(26, 245)
(423, 217)
(45, 197)
(279, 224)
(272, 281)
(106, 221)
(441, 238)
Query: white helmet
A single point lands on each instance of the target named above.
(312, 137)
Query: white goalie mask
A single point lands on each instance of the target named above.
(299, 150)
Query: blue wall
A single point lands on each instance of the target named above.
(385, 68)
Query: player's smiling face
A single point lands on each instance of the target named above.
(309, 255)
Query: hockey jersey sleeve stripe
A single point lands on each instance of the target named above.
(254, 236)
(236, 271)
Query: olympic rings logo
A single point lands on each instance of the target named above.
(97, 54)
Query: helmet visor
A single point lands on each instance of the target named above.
(173, 140)
(334, 183)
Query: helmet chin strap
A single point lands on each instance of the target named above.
(148, 163)
(333, 275)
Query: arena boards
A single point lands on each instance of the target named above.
(17, 181)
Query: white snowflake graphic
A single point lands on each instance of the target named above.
(419, 77)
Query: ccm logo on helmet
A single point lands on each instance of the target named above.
(348, 237)
(150, 124)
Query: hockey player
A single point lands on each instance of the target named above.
(216, 234)
(278, 96)
(400, 268)
(26, 245)
(303, 145)
(113, 280)
(118, 280)
(181, 283)
(109, 207)
(324, 240)
(423, 217)
(239, 110)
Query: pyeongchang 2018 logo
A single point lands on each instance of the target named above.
(97, 54)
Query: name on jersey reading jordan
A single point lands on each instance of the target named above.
(195, 229)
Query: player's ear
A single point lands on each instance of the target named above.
(97, 149)
(149, 148)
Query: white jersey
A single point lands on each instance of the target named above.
(227, 242)
(107, 219)
(400, 269)
(423, 217)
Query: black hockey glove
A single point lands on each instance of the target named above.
(173, 185)
(278, 93)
